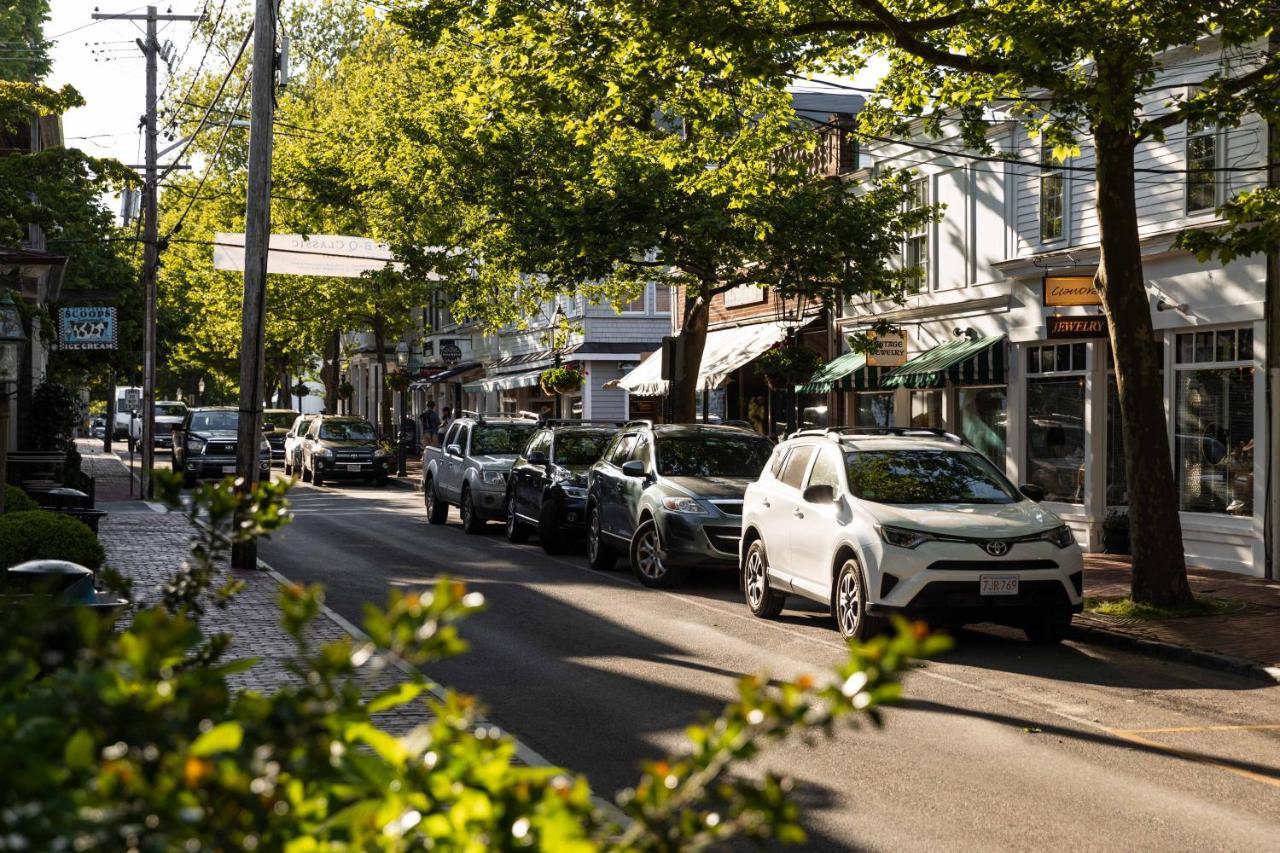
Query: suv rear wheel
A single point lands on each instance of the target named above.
(599, 555)
(762, 601)
(647, 562)
(437, 510)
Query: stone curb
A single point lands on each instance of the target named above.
(1092, 634)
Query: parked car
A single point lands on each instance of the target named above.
(470, 469)
(276, 423)
(341, 446)
(169, 414)
(293, 444)
(875, 522)
(204, 445)
(670, 496)
(547, 489)
(98, 429)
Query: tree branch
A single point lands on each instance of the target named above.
(903, 35)
(872, 27)
(1232, 86)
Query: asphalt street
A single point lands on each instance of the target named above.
(999, 745)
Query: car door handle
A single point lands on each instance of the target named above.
(797, 513)
(765, 503)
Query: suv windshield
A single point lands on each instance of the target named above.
(706, 455)
(580, 448)
(501, 438)
(926, 477)
(279, 420)
(347, 430)
(214, 420)
(171, 410)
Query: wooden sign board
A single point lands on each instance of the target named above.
(890, 351)
(1091, 326)
(1070, 290)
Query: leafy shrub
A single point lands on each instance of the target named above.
(139, 741)
(55, 413)
(16, 500)
(40, 535)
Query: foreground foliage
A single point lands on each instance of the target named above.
(139, 740)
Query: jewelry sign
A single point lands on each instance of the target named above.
(87, 328)
(1091, 326)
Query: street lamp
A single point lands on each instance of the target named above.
(558, 320)
(403, 354)
(13, 337)
(200, 390)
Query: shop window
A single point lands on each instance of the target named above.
(814, 411)
(873, 409)
(1053, 196)
(915, 254)
(1213, 421)
(1055, 430)
(926, 409)
(983, 420)
(1202, 160)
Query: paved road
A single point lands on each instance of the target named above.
(1000, 745)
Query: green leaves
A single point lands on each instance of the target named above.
(224, 737)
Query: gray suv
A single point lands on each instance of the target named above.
(670, 497)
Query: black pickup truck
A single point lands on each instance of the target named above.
(204, 445)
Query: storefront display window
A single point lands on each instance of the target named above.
(1213, 421)
(983, 420)
(1055, 420)
(926, 409)
(873, 410)
(813, 411)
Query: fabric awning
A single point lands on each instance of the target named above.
(726, 350)
(829, 375)
(444, 375)
(964, 361)
(503, 383)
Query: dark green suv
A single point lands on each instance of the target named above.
(670, 497)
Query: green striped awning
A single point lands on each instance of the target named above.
(848, 372)
(964, 361)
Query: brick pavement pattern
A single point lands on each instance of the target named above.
(1249, 630)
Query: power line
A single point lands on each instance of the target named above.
(117, 16)
(213, 32)
(213, 162)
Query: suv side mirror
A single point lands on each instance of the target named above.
(537, 457)
(1032, 491)
(633, 468)
(821, 493)
(454, 450)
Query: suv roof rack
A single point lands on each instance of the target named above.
(637, 423)
(556, 422)
(840, 432)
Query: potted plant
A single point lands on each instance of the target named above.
(398, 381)
(300, 389)
(1115, 531)
(787, 365)
(561, 380)
(346, 390)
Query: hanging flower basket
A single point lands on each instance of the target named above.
(345, 390)
(398, 381)
(785, 366)
(561, 380)
(300, 389)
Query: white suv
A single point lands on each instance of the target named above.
(877, 521)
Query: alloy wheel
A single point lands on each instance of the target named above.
(511, 517)
(755, 579)
(649, 556)
(849, 600)
(593, 536)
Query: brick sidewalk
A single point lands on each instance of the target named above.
(111, 481)
(1249, 630)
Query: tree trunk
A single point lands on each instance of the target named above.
(384, 396)
(329, 375)
(1159, 565)
(683, 390)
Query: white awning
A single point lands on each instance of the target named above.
(725, 352)
(503, 383)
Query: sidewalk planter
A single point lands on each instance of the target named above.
(1115, 532)
(42, 535)
(398, 382)
(561, 380)
(61, 590)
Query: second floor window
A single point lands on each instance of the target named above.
(1202, 158)
(915, 255)
(1053, 196)
(635, 306)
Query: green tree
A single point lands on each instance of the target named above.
(513, 174)
(1066, 70)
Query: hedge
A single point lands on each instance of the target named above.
(16, 500)
(40, 535)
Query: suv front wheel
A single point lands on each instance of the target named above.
(850, 605)
(647, 561)
(762, 601)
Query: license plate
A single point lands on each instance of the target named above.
(998, 584)
(355, 467)
(228, 469)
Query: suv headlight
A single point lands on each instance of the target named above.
(1060, 536)
(901, 537)
(686, 505)
(195, 445)
(380, 452)
(492, 478)
(322, 452)
(576, 492)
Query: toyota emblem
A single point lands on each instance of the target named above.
(997, 548)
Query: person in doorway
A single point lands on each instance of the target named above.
(445, 419)
(430, 423)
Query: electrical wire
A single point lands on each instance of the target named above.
(213, 161)
(94, 22)
(213, 32)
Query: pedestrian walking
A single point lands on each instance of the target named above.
(430, 423)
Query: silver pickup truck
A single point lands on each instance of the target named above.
(470, 471)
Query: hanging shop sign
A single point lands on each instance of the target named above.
(1091, 326)
(1070, 290)
(450, 353)
(90, 327)
(744, 294)
(890, 349)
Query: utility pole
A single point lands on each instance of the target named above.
(150, 234)
(257, 236)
